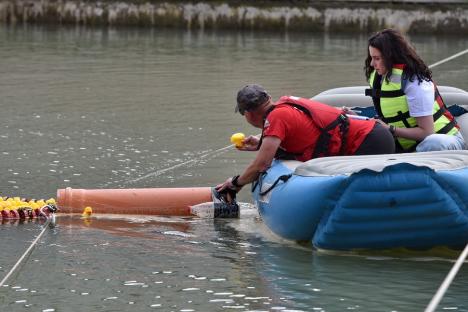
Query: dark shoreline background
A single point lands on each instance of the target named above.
(417, 16)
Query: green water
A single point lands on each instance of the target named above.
(92, 108)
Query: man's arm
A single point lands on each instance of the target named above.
(262, 162)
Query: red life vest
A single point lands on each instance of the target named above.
(335, 129)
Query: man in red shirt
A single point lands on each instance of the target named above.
(302, 129)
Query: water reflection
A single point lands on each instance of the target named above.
(144, 263)
(136, 227)
(344, 282)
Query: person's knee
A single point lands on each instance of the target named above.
(439, 142)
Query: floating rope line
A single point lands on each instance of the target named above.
(448, 280)
(15, 208)
(48, 211)
(448, 58)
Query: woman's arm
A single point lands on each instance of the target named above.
(425, 128)
(420, 97)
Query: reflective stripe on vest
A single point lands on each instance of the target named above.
(392, 106)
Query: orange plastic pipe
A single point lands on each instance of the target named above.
(143, 201)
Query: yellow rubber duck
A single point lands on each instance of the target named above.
(238, 139)
(87, 212)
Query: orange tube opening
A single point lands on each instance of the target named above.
(143, 201)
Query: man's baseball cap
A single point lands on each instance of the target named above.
(250, 97)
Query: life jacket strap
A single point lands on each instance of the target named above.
(404, 116)
(439, 113)
(400, 117)
(446, 129)
(377, 93)
(410, 149)
(323, 142)
(284, 155)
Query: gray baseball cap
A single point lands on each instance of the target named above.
(250, 97)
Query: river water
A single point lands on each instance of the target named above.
(94, 108)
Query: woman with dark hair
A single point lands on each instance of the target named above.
(405, 97)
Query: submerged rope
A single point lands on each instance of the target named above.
(448, 280)
(25, 253)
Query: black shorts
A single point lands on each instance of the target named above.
(378, 141)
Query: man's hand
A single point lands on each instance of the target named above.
(227, 185)
(261, 163)
(250, 143)
(381, 122)
(348, 110)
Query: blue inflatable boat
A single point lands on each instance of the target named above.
(417, 200)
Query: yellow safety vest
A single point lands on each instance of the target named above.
(391, 105)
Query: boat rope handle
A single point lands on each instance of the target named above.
(283, 178)
(448, 58)
(258, 181)
(255, 184)
(446, 283)
(50, 220)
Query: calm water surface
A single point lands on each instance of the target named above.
(90, 108)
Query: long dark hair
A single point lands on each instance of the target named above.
(396, 49)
